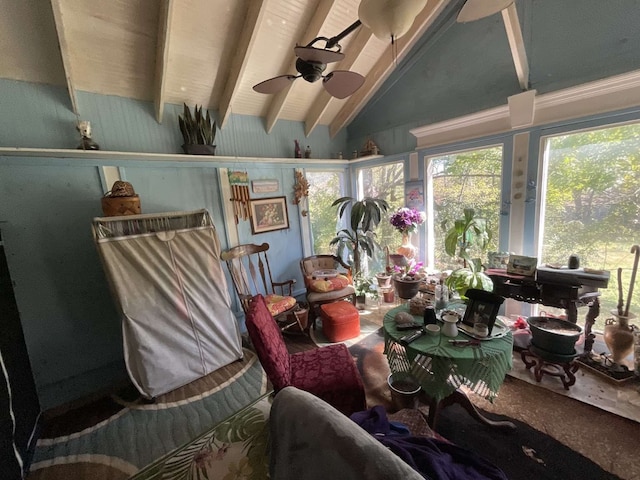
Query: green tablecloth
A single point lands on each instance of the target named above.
(441, 367)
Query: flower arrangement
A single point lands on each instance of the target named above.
(406, 220)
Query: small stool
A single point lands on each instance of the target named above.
(340, 321)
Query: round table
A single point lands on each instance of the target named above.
(442, 368)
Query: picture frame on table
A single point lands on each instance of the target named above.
(269, 214)
(482, 307)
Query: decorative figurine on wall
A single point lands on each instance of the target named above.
(300, 191)
(84, 127)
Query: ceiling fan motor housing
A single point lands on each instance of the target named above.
(310, 71)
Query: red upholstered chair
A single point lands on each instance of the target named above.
(327, 372)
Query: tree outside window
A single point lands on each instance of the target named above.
(324, 188)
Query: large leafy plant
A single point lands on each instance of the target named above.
(467, 234)
(364, 217)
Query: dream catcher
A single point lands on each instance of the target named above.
(239, 182)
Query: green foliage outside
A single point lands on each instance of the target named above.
(324, 188)
(461, 181)
(385, 182)
(592, 206)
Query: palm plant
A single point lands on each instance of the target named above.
(364, 217)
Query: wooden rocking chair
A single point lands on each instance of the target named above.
(250, 272)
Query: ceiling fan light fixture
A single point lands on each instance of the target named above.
(476, 9)
(389, 19)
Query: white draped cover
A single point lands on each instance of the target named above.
(166, 276)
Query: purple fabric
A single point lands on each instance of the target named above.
(432, 458)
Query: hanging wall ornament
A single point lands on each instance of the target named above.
(240, 195)
(301, 191)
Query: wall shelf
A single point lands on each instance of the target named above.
(106, 155)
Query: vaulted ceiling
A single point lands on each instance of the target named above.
(206, 52)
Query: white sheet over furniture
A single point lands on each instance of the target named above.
(165, 274)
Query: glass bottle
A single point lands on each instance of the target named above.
(442, 295)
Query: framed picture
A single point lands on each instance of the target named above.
(269, 214)
(482, 307)
(414, 195)
(265, 186)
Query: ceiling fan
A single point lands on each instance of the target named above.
(311, 64)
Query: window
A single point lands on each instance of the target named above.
(324, 189)
(591, 204)
(386, 182)
(470, 179)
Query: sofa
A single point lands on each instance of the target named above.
(309, 439)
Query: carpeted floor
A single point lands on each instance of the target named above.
(112, 438)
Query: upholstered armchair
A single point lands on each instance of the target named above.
(327, 279)
(329, 373)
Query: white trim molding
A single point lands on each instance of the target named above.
(600, 96)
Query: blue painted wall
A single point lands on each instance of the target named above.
(70, 322)
(466, 68)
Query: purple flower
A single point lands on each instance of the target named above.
(406, 220)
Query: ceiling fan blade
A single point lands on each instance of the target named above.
(342, 83)
(275, 84)
(477, 9)
(319, 55)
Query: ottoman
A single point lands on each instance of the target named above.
(340, 321)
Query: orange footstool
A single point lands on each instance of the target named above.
(340, 321)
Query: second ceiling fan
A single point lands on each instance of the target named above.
(311, 63)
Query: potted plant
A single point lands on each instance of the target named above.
(364, 217)
(364, 287)
(407, 279)
(465, 234)
(198, 132)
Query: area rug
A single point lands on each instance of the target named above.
(523, 453)
(113, 438)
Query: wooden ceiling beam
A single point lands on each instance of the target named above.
(58, 18)
(241, 56)
(516, 43)
(316, 26)
(165, 21)
(385, 65)
(323, 100)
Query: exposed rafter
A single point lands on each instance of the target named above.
(241, 57)
(516, 43)
(385, 65)
(58, 18)
(316, 26)
(165, 18)
(324, 99)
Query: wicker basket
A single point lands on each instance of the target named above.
(118, 206)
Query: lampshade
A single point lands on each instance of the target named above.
(477, 9)
(389, 18)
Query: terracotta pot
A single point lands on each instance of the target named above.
(388, 295)
(383, 280)
(118, 206)
(618, 336)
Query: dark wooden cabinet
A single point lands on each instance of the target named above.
(19, 404)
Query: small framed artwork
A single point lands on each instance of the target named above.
(482, 307)
(269, 214)
(414, 195)
(265, 186)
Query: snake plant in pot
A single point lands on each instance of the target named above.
(198, 131)
(467, 233)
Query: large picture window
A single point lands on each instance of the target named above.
(386, 182)
(469, 179)
(591, 204)
(324, 188)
